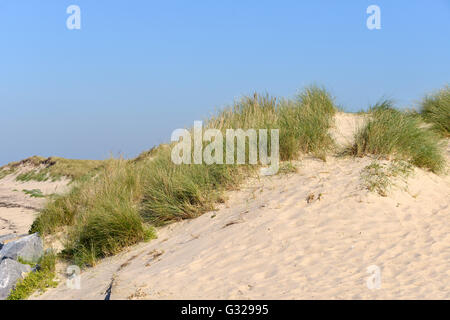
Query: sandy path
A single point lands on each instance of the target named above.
(18, 210)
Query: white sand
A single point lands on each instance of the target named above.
(268, 242)
(345, 125)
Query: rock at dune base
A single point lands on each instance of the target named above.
(9, 238)
(10, 272)
(29, 248)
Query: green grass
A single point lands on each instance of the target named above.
(391, 133)
(34, 175)
(34, 193)
(305, 122)
(106, 214)
(41, 279)
(103, 212)
(435, 109)
(119, 206)
(173, 193)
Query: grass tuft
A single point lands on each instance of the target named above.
(39, 280)
(378, 177)
(436, 110)
(173, 193)
(305, 123)
(390, 132)
(34, 193)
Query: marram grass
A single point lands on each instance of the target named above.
(41, 279)
(435, 109)
(53, 168)
(393, 133)
(125, 199)
(118, 207)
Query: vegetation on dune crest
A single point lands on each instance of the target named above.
(125, 199)
(305, 123)
(393, 133)
(436, 110)
(119, 206)
(53, 168)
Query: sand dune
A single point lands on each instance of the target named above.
(308, 235)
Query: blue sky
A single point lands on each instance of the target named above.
(137, 70)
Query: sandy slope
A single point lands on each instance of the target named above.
(18, 210)
(269, 242)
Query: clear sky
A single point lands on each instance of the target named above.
(137, 70)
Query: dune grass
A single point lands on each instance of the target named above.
(34, 193)
(120, 206)
(378, 177)
(41, 279)
(435, 109)
(303, 121)
(6, 171)
(175, 192)
(53, 168)
(305, 124)
(393, 133)
(125, 199)
(103, 213)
